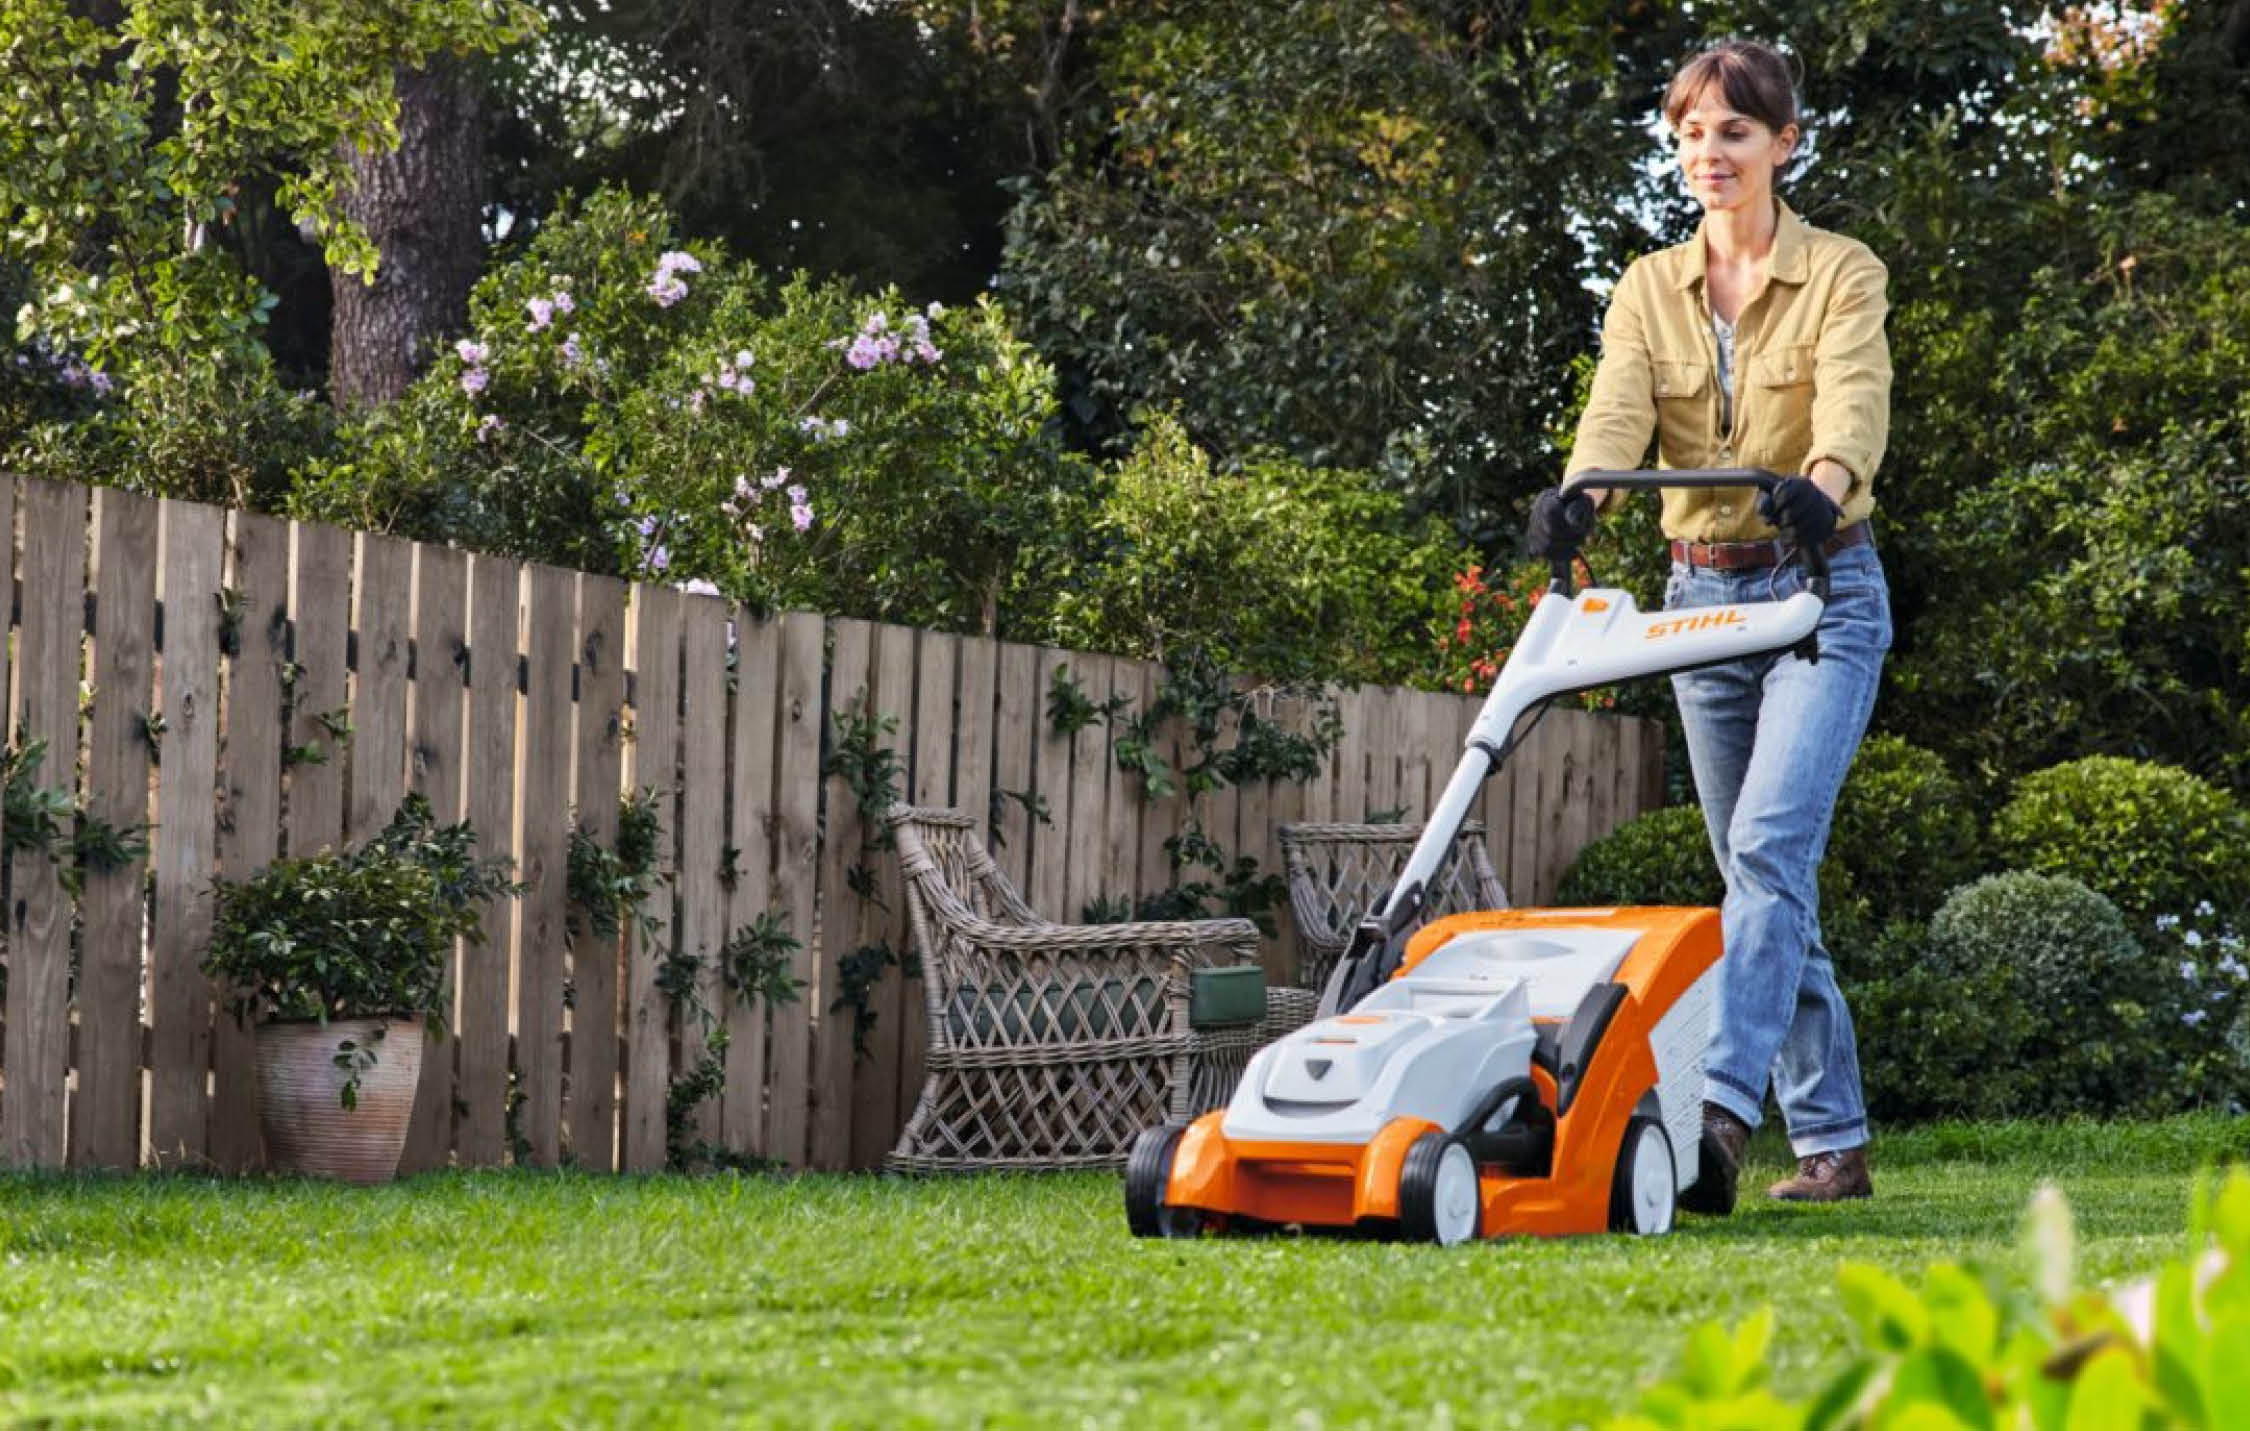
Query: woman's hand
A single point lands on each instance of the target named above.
(1560, 520)
(1799, 507)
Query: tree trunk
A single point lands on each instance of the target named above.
(422, 204)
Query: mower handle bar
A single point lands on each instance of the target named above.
(1642, 479)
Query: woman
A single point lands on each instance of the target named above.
(1758, 343)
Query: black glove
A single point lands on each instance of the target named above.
(1559, 523)
(1801, 510)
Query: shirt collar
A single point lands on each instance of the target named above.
(1787, 264)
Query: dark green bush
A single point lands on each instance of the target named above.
(2158, 841)
(1663, 857)
(2030, 998)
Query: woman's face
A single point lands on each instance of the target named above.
(1728, 157)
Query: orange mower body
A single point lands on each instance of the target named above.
(1524, 1072)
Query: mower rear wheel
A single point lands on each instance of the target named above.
(1438, 1197)
(1645, 1194)
(1148, 1173)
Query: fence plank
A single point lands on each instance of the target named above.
(752, 829)
(383, 612)
(1356, 708)
(434, 771)
(1160, 819)
(797, 869)
(655, 763)
(250, 780)
(849, 692)
(1089, 879)
(949, 764)
(180, 997)
(1121, 831)
(482, 1016)
(550, 630)
(47, 664)
(875, 1118)
(703, 831)
(974, 768)
(1015, 737)
(1049, 870)
(320, 608)
(106, 1112)
(590, 1081)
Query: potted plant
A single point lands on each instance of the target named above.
(336, 957)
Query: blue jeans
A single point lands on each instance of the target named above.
(1771, 739)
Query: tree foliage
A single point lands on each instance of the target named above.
(1353, 233)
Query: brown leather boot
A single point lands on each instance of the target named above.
(1720, 1157)
(1827, 1177)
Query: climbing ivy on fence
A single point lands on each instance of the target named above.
(872, 771)
(609, 891)
(1203, 700)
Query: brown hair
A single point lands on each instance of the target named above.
(1753, 78)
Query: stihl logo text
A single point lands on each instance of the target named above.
(1701, 621)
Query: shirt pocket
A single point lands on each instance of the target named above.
(1685, 414)
(1782, 378)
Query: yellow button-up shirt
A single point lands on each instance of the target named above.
(1812, 377)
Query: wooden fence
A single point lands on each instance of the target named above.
(254, 687)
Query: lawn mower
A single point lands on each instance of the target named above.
(1507, 1072)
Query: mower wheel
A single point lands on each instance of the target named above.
(1148, 1172)
(1645, 1194)
(1438, 1197)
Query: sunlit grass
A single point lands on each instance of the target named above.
(563, 1299)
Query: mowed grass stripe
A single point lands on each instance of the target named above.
(564, 1299)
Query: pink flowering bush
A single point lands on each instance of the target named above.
(631, 404)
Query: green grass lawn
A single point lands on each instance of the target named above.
(523, 1298)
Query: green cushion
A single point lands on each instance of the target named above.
(1235, 994)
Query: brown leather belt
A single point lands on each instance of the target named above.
(1745, 556)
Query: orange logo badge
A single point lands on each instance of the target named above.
(1699, 621)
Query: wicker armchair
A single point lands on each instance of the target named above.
(1053, 1045)
(1337, 873)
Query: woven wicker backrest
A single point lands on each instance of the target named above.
(1337, 872)
(997, 976)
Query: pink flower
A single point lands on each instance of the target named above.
(800, 516)
(563, 303)
(473, 381)
(864, 353)
(572, 354)
(542, 313)
(489, 424)
(472, 353)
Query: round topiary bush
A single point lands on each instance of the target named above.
(1905, 835)
(2157, 840)
(2033, 999)
(1663, 857)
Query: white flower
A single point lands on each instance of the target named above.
(2193, 1017)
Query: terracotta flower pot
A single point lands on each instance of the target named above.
(300, 1097)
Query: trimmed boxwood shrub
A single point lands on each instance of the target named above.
(2155, 839)
(1663, 857)
(2032, 998)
